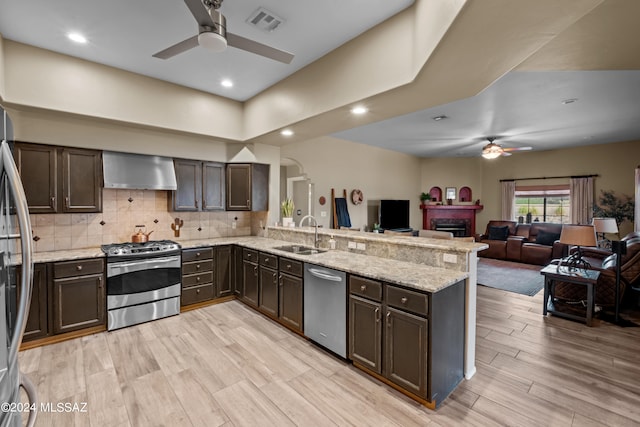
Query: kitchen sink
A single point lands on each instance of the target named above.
(300, 249)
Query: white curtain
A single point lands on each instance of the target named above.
(581, 190)
(637, 212)
(508, 197)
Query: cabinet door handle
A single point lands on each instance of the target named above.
(99, 282)
(79, 267)
(288, 266)
(363, 288)
(388, 318)
(204, 204)
(377, 313)
(403, 300)
(197, 278)
(197, 266)
(196, 202)
(66, 202)
(197, 254)
(255, 270)
(197, 291)
(53, 202)
(281, 281)
(248, 205)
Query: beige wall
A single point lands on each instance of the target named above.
(380, 174)
(613, 163)
(2, 86)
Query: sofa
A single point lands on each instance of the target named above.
(605, 262)
(536, 243)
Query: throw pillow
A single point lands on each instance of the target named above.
(498, 233)
(546, 238)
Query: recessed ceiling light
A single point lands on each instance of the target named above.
(359, 110)
(440, 117)
(286, 132)
(569, 101)
(77, 37)
(226, 83)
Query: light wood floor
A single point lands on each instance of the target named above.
(228, 365)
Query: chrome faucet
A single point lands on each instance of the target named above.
(316, 241)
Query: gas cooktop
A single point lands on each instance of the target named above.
(152, 247)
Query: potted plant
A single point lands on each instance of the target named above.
(287, 212)
(425, 198)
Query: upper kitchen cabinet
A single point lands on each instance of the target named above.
(247, 187)
(200, 186)
(60, 179)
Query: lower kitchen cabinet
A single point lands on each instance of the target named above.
(236, 278)
(78, 295)
(290, 298)
(37, 325)
(268, 284)
(412, 339)
(197, 276)
(250, 277)
(223, 270)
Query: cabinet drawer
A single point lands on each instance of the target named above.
(197, 294)
(365, 287)
(250, 255)
(291, 266)
(197, 279)
(197, 266)
(197, 254)
(268, 260)
(77, 268)
(405, 299)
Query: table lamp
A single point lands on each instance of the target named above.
(602, 226)
(577, 235)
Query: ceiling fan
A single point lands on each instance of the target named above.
(213, 35)
(493, 150)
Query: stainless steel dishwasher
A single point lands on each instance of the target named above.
(325, 307)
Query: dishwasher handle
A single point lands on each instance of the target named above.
(325, 275)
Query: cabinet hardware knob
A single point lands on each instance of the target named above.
(403, 300)
(363, 288)
(204, 204)
(53, 201)
(275, 275)
(197, 266)
(266, 260)
(198, 279)
(196, 201)
(197, 291)
(288, 266)
(377, 313)
(249, 255)
(248, 204)
(388, 318)
(197, 253)
(78, 267)
(66, 202)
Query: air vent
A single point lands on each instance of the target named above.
(264, 20)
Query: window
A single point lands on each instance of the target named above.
(545, 203)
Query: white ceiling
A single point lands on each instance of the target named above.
(125, 33)
(597, 57)
(522, 109)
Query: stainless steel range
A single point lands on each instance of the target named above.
(143, 282)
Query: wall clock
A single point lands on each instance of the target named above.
(356, 197)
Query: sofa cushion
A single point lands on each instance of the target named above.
(546, 238)
(498, 233)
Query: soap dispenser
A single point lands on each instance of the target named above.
(332, 242)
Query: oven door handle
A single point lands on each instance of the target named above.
(115, 269)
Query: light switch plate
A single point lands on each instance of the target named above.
(361, 246)
(452, 258)
(351, 245)
(323, 213)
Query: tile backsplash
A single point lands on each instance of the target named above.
(123, 210)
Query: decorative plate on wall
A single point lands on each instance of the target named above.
(356, 197)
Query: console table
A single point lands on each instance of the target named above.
(577, 277)
(451, 214)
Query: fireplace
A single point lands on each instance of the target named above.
(458, 219)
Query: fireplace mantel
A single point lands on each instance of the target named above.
(465, 213)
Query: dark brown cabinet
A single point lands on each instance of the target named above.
(37, 325)
(223, 270)
(250, 277)
(290, 298)
(78, 295)
(201, 186)
(237, 279)
(197, 276)
(60, 179)
(365, 338)
(247, 187)
(268, 286)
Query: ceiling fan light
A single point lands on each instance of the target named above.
(492, 151)
(212, 41)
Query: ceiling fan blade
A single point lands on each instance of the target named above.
(177, 48)
(243, 43)
(199, 12)
(516, 148)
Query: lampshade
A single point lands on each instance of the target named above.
(605, 225)
(212, 41)
(578, 235)
(492, 151)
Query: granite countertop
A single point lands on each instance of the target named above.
(416, 276)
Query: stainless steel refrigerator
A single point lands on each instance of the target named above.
(15, 250)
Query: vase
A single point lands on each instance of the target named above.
(288, 222)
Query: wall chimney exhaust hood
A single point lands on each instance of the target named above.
(138, 171)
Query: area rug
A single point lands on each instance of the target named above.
(515, 277)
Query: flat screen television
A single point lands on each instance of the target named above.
(394, 214)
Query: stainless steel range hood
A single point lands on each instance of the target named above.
(138, 171)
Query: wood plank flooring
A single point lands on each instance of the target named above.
(227, 365)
